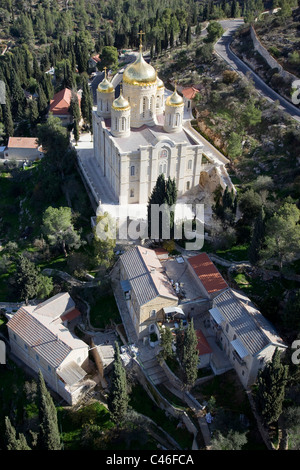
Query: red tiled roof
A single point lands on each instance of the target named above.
(96, 58)
(23, 142)
(74, 313)
(203, 347)
(207, 273)
(61, 102)
(190, 92)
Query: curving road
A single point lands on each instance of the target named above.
(222, 48)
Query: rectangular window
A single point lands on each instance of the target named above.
(132, 170)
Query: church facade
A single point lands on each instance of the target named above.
(142, 133)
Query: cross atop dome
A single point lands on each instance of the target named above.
(141, 38)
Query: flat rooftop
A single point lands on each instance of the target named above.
(177, 271)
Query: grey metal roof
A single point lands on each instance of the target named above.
(240, 349)
(245, 325)
(39, 338)
(216, 314)
(56, 306)
(71, 373)
(145, 279)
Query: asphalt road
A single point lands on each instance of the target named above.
(222, 48)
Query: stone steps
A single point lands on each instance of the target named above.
(154, 371)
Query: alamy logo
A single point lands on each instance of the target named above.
(2, 352)
(296, 354)
(180, 221)
(296, 92)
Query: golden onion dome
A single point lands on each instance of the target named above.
(105, 86)
(174, 100)
(140, 73)
(160, 83)
(120, 103)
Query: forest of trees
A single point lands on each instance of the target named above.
(64, 35)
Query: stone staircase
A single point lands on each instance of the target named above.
(154, 371)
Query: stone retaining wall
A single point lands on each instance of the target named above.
(270, 59)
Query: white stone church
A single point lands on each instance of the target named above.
(143, 133)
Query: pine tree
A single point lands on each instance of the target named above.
(271, 383)
(118, 396)
(49, 438)
(190, 357)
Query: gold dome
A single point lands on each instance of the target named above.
(174, 100)
(105, 86)
(160, 83)
(120, 103)
(140, 73)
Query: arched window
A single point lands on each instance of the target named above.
(144, 106)
(116, 124)
(151, 106)
(106, 105)
(170, 117)
(188, 185)
(123, 123)
(190, 164)
(177, 119)
(101, 105)
(157, 101)
(132, 193)
(132, 170)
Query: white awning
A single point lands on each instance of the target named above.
(216, 314)
(174, 310)
(240, 348)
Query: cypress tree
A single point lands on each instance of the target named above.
(257, 238)
(271, 383)
(190, 357)
(74, 107)
(17, 97)
(42, 100)
(49, 438)
(10, 435)
(36, 69)
(33, 112)
(189, 35)
(86, 103)
(76, 131)
(180, 342)
(166, 340)
(118, 396)
(12, 443)
(7, 118)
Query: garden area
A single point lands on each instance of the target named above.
(104, 311)
(142, 403)
(230, 408)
